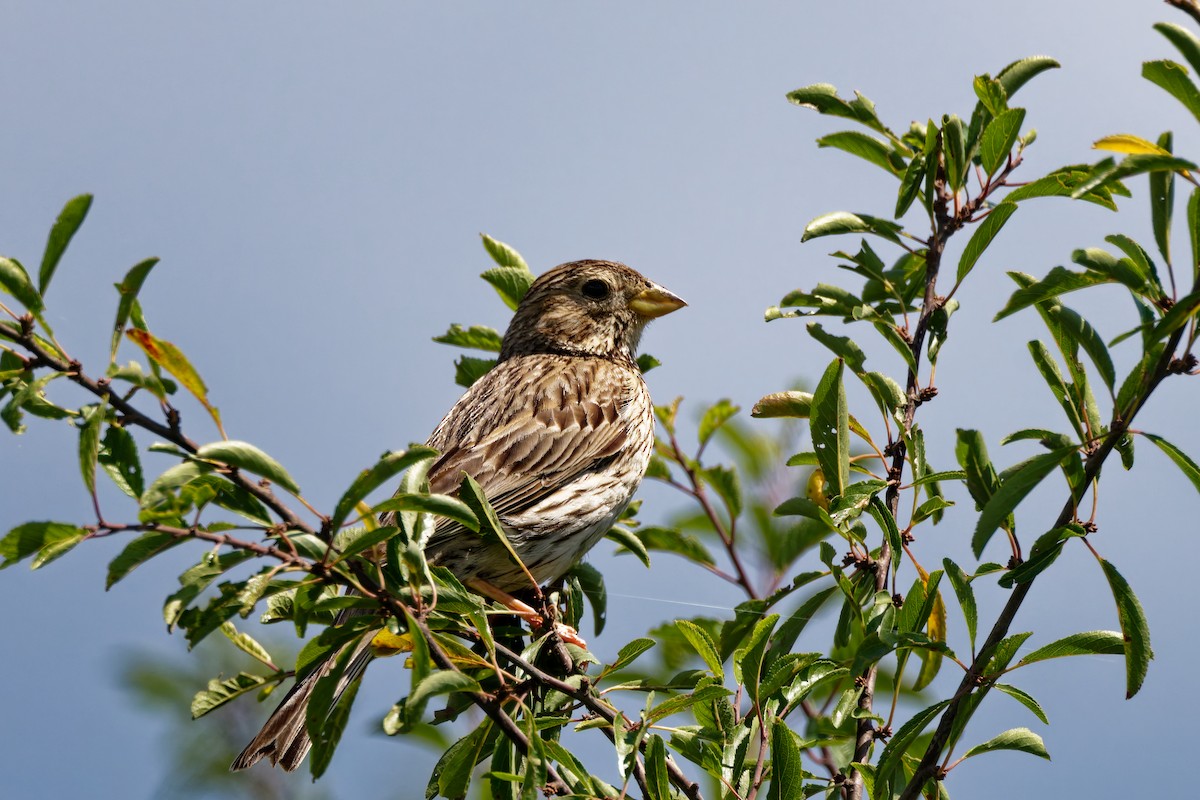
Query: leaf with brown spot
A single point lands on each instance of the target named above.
(172, 359)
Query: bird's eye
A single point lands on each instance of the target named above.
(595, 289)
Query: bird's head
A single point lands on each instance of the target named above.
(595, 308)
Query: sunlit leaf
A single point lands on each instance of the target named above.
(1134, 627)
(68, 222)
(244, 455)
(1022, 739)
(172, 359)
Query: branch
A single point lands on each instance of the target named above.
(974, 678)
(946, 224)
(133, 416)
(728, 537)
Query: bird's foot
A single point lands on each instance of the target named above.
(536, 619)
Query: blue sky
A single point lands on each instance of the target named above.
(314, 178)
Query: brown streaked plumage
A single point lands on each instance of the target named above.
(558, 434)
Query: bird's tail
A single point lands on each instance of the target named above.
(284, 738)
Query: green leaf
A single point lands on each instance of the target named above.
(991, 94)
(1058, 386)
(591, 581)
(703, 644)
(246, 643)
(15, 280)
(154, 383)
(841, 346)
(983, 236)
(647, 362)
(1184, 40)
(172, 359)
(219, 692)
(246, 456)
(657, 778)
(966, 596)
(748, 657)
(452, 774)
(725, 482)
(629, 542)
(68, 222)
(1018, 73)
(999, 137)
(504, 255)
(883, 517)
(1064, 182)
(1021, 739)
(1058, 281)
(1022, 478)
(865, 147)
(716, 416)
(910, 185)
(54, 550)
(118, 455)
(980, 475)
(1024, 698)
(822, 98)
(839, 222)
(672, 541)
(787, 774)
(389, 465)
(627, 654)
(478, 337)
(1078, 644)
(1135, 271)
(511, 283)
(1193, 223)
(1162, 201)
(891, 758)
(1179, 315)
(793, 626)
(33, 538)
(939, 325)
(1174, 79)
(954, 143)
(89, 443)
(1189, 467)
(831, 427)
(1134, 627)
(441, 505)
(1108, 173)
(467, 370)
(138, 552)
(1081, 332)
(128, 290)
(440, 683)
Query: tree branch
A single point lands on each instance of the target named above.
(133, 416)
(974, 678)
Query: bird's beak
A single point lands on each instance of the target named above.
(655, 302)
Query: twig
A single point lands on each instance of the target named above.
(728, 536)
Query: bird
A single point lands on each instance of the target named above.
(558, 435)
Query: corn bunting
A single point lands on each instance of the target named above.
(558, 434)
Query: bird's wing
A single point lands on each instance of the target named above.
(524, 431)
